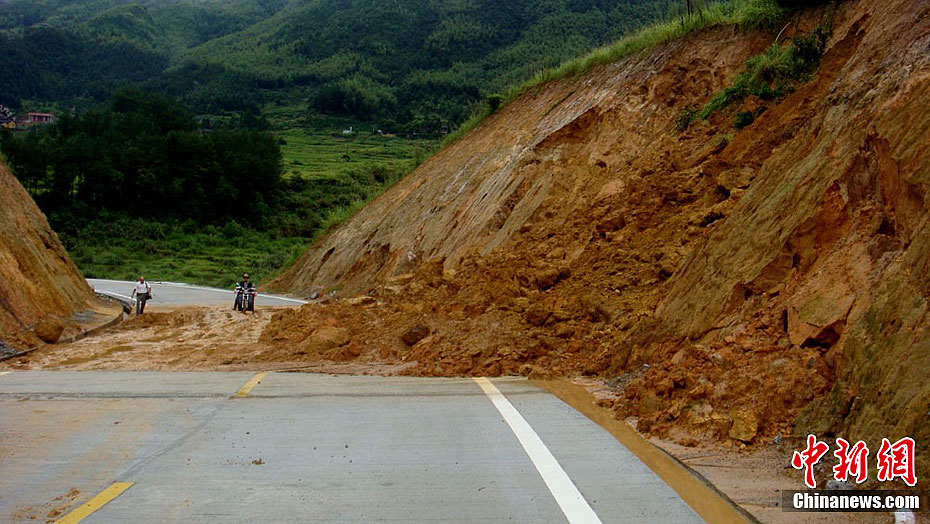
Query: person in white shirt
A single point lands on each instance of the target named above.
(143, 292)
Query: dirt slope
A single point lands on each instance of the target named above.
(546, 154)
(38, 282)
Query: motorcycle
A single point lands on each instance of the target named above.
(245, 299)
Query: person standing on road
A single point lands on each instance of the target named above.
(143, 292)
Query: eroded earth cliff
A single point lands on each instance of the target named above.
(41, 290)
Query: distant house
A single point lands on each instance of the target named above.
(23, 123)
(40, 118)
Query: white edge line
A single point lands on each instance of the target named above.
(566, 494)
(192, 286)
(5, 373)
(113, 294)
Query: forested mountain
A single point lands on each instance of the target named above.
(418, 64)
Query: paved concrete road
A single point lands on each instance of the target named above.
(311, 448)
(174, 294)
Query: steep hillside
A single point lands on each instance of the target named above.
(753, 270)
(38, 282)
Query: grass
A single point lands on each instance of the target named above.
(312, 153)
(768, 75)
(743, 119)
(685, 118)
(342, 172)
(753, 14)
(181, 252)
(316, 146)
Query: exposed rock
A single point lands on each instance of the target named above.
(565, 331)
(415, 334)
(402, 279)
(548, 277)
(664, 387)
(537, 314)
(819, 320)
(595, 309)
(612, 223)
(738, 178)
(349, 351)
(49, 329)
(745, 426)
(326, 338)
(363, 300)
(538, 373)
(612, 188)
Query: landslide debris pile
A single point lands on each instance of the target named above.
(721, 279)
(40, 288)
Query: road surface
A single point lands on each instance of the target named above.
(211, 447)
(174, 294)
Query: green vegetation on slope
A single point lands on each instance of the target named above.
(768, 76)
(754, 14)
(410, 66)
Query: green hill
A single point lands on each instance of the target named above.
(412, 64)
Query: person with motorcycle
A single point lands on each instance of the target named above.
(245, 295)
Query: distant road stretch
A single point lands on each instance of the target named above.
(175, 294)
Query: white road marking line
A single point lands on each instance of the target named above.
(574, 506)
(5, 373)
(202, 288)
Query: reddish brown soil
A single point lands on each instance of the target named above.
(40, 288)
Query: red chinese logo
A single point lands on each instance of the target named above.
(853, 461)
(897, 460)
(894, 460)
(808, 458)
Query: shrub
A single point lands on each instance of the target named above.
(743, 119)
(494, 102)
(685, 118)
(792, 4)
(760, 14)
(774, 73)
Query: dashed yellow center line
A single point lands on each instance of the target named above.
(92, 505)
(254, 381)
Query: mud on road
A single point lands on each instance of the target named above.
(161, 339)
(187, 339)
